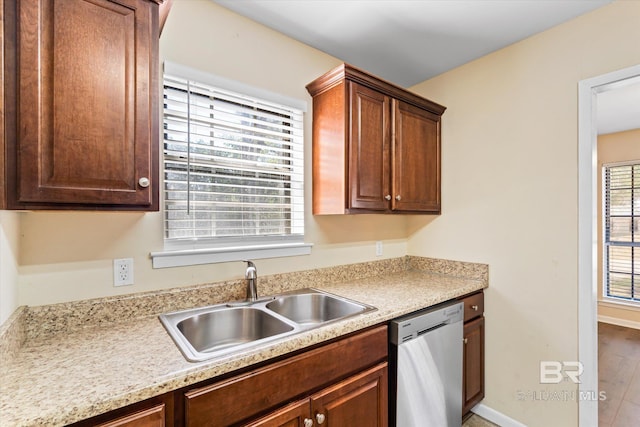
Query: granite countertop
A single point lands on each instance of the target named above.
(63, 378)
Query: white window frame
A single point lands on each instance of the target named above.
(606, 297)
(186, 252)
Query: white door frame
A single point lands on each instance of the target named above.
(588, 236)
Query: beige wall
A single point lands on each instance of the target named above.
(509, 185)
(9, 241)
(612, 148)
(68, 256)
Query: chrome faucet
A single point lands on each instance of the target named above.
(252, 281)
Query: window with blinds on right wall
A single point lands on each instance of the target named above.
(622, 232)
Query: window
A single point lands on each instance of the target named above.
(622, 232)
(233, 167)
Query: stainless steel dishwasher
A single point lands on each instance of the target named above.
(426, 367)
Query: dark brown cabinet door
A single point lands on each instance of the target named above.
(153, 417)
(293, 415)
(369, 158)
(357, 401)
(87, 92)
(416, 159)
(155, 412)
(473, 363)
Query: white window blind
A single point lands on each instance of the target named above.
(233, 165)
(622, 232)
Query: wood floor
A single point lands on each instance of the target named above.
(619, 375)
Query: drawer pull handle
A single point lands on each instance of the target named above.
(474, 307)
(464, 340)
(320, 418)
(398, 198)
(308, 422)
(387, 197)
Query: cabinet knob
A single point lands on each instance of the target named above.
(308, 422)
(320, 418)
(398, 198)
(464, 340)
(387, 197)
(474, 307)
(143, 182)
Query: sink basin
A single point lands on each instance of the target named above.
(222, 329)
(314, 308)
(230, 327)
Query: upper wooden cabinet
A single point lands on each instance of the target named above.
(81, 104)
(376, 146)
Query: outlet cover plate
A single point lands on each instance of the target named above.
(123, 272)
(378, 248)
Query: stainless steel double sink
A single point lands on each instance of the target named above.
(223, 329)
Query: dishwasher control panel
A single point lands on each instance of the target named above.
(413, 325)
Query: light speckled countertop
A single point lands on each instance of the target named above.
(63, 378)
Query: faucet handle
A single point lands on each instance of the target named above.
(252, 271)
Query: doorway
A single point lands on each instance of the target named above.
(587, 233)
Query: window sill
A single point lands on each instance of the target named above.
(185, 257)
(619, 304)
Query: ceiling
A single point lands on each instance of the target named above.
(409, 41)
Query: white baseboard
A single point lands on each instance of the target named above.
(495, 417)
(619, 322)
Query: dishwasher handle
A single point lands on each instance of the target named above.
(433, 328)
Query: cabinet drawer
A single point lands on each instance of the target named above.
(152, 417)
(155, 412)
(473, 306)
(248, 395)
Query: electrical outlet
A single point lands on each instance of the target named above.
(123, 272)
(378, 248)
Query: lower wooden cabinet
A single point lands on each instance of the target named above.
(473, 362)
(358, 400)
(152, 417)
(473, 355)
(155, 412)
(295, 414)
(344, 381)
